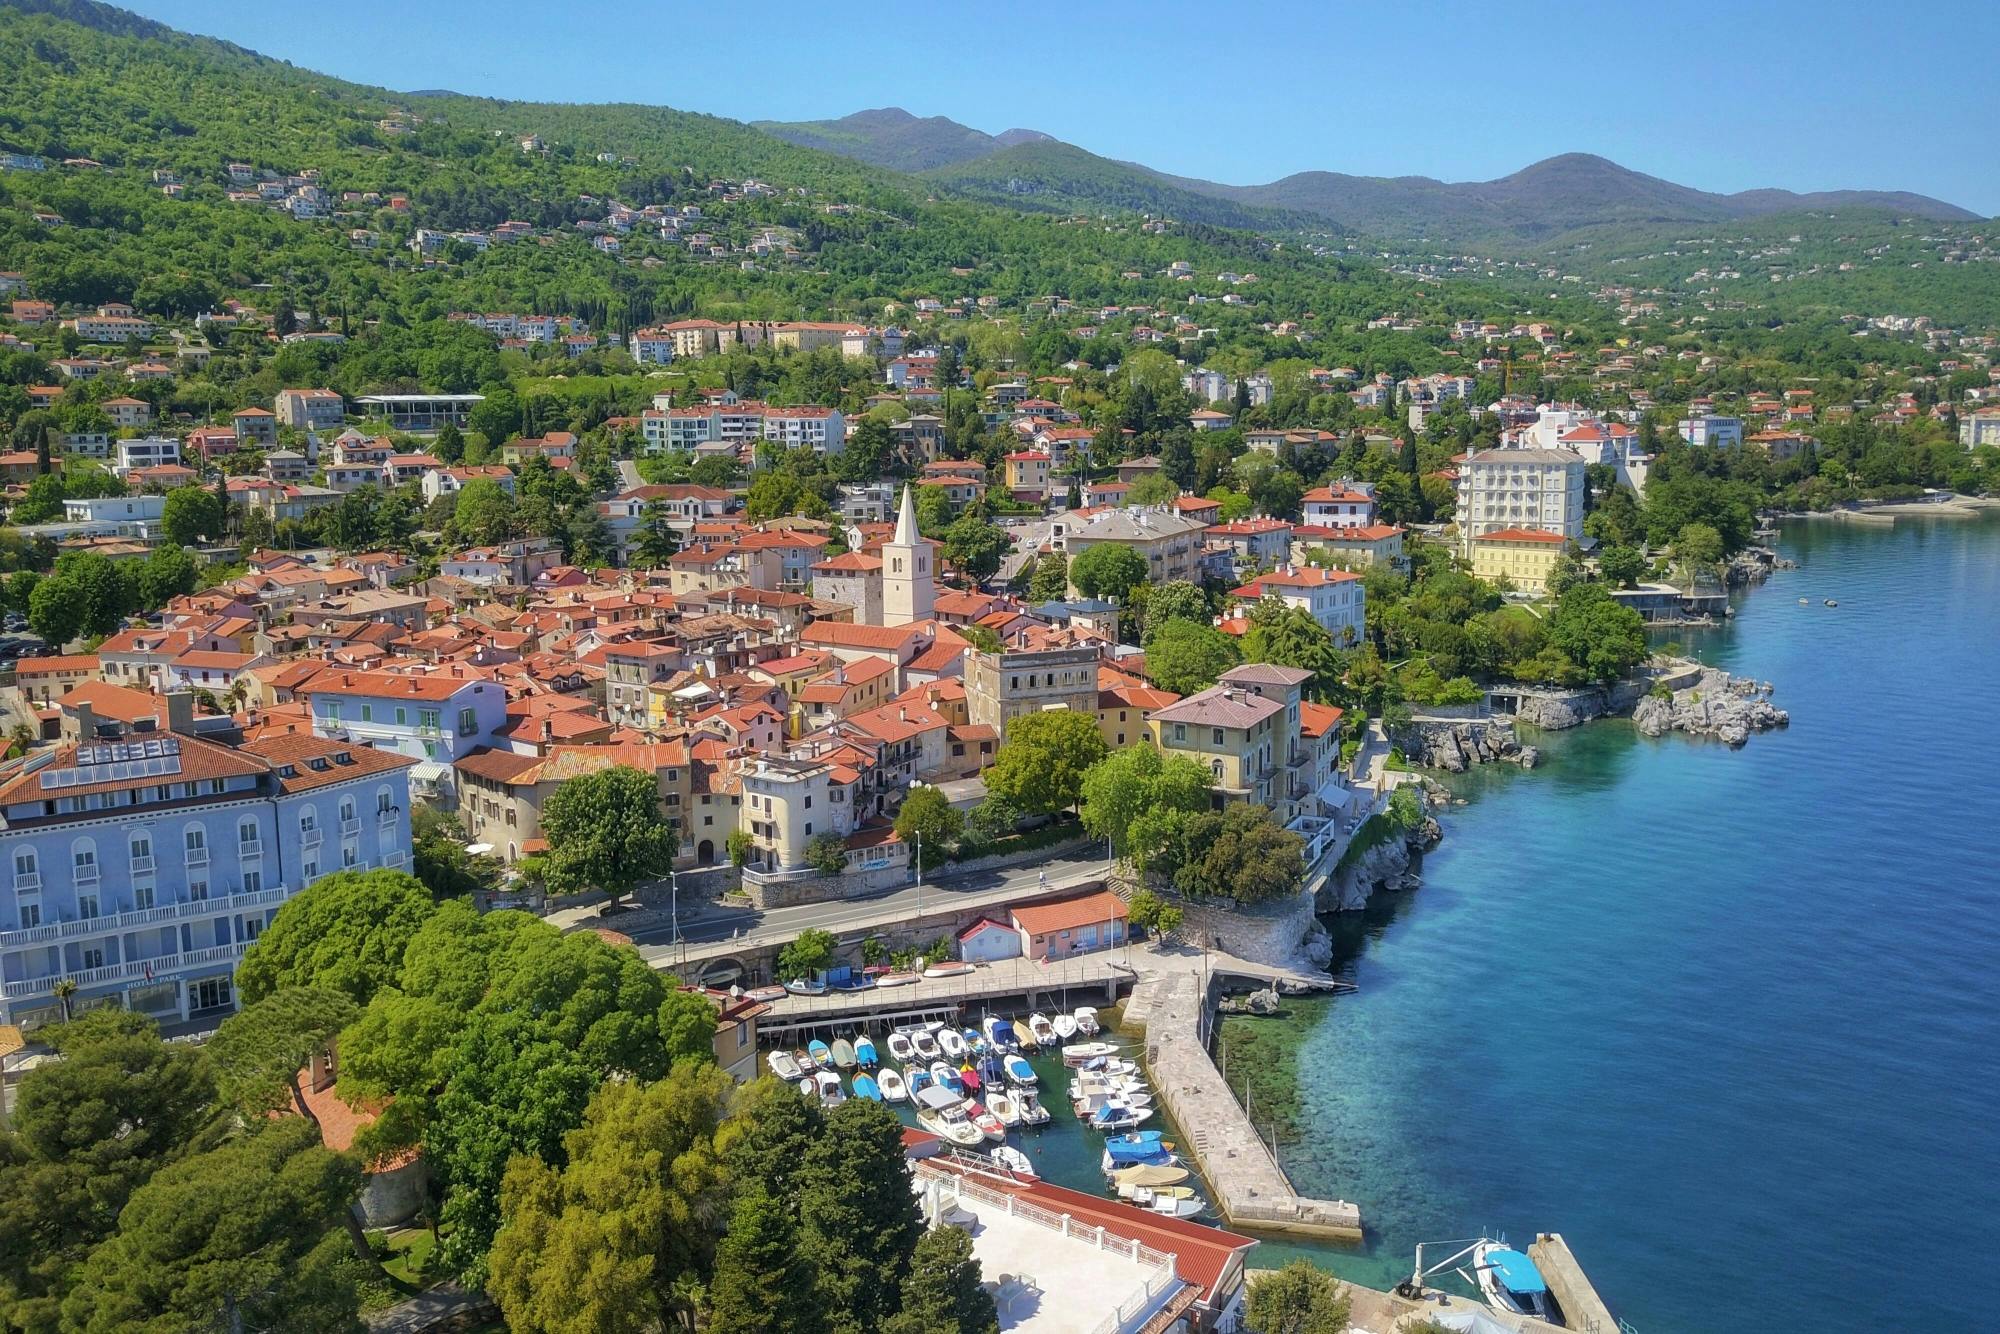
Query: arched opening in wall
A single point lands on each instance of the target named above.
(704, 852)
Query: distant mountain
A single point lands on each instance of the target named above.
(891, 137)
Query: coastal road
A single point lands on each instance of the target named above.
(710, 929)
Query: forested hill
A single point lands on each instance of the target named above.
(892, 137)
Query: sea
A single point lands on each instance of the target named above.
(1728, 1020)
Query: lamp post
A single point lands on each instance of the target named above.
(916, 783)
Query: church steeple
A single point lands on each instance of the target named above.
(909, 590)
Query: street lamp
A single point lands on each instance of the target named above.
(916, 783)
(674, 888)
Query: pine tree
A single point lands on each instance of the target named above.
(764, 1282)
(944, 1294)
(858, 1214)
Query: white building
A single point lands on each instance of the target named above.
(149, 451)
(1520, 488)
(1712, 432)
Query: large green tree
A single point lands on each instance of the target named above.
(1127, 788)
(1107, 570)
(190, 514)
(1186, 657)
(858, 1214)
(1040, 767)
(944, 1293)
(606, 831)
(345, 932)
(1301, 1298)
(928, 812)
(1605, 639)
(765, 1281)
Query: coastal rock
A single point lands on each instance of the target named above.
(1553, 715)
(1456, 745)
(1394, 864)
(1529, 757)
(1728, 708)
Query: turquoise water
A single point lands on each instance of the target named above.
(1729, 1021)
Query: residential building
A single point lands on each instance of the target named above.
(787, 803)
(1343, 506)
(420, 414)
(255, 427)
(1169, 542)
(1238, 736)
(1523, 556)
(1703, 430)
(149, 451)
(310, 409)
(1030, 676)
(435, 717)
(1334, 598)
(1981, 427)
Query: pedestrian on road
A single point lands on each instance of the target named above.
(1045, 880)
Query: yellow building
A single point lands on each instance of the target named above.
(1231, 732)
(1523, 556)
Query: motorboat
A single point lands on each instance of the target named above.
(1019, 1072)
(821, 1054)
(864, 1052)
(808, 1087)
(783, 1066)
(1173, 1201)
(942, 1112)
(999, 1033)
(1147, 1175)
(1086, 1020)
(989, 1125)
(798, 986)
(1002, 1105)
(803, 1059)
(1136, 1147)
(1509, 1281)
(1832, 603)
(843, 1054)
(900, 1047)
(866, 1087)
(894, 979)
(1091, 1091)
(918, 1079)
(1110, 1065)
(925, 1044)
(830, 1092)
(970, 1078)
(951, 1042)
(1024, 1037)
(890, 1081)
(1077, 1053)
(1044, 1031)
(944, 1076)
(1013, 1160)
(1032, 1111)
(947, 968)
(1115, 1114)
(1064, 1025)
(975, 1041)
(1159, 1156)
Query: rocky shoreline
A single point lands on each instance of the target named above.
(1727, 708)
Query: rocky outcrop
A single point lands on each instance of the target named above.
(1393, 864)
(1455, 746)
(1559, 710)
(1728, 708)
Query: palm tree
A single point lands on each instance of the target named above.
(65, 987)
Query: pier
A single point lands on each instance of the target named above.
(1250, 1188)
(1005, 986)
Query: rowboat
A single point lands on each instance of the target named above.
(947, 968)
(822, 1054)
(866, 1087)
(1044, 1031)
(1065, 1026)
(808, 1087)
(783, 1066)
(843, 1053)
(803, 1059)
(896, 979)
(892, 1085)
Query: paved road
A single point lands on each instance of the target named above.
(711, 924)
(628, 475)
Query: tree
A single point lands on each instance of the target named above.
(975, 546)
(764, 1282)
(1603, 638)
(807, 956)
(1050, 581)
(1697, 548)
(1137, 782)
(1186, 657)
(1290, 636)
(1240, 853)
(1176, 600)
(944, 1293)
(1621, 565)
(604, 1242)
(858, 1214)
(165, 574)
(1149, 912)
(55, 611)
(934, 511)
(741, 847)
(1153, 488)
(1040, 767)
(245, 1236)
(345, 932)
(485, 512)
(1564, 571)
(1107, 570)
(927, 815)
(657, 540)
(87, 1131)
(439, 858)
(1301, 1298)
(190, 514)
(605, 831)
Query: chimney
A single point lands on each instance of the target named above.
(180, 712)
(79, 723)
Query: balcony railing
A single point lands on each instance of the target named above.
(27, 882)
(309, 838)
(86, 873)
(349, 828)
(163, 966)
(250, 849)
(197, 856)
(137, 917)
(142, 866)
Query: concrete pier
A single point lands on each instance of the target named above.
(1249, 1187)
(1581, 1307)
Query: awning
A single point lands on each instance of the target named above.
(1335, 795)
(431, 774)
(1516, 1271)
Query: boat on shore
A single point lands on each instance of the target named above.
(798, 986)
(947, 968)
(890, 1081)
(783, 1066)
(1013, 1160)
(894, 979)
(1510, 1282)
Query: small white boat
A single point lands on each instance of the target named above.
(767, 993)
(1019, 1072)
(1031, 1109)
(1086, 1020)
(947, 968)
(798, 986)
(926, 1046)
(1065, 1026)
(900, 1046)
(999, 1033)
(1044, 1031)
(1078, 1053)
(1509, 1280)
(897, 979)
(783, 1066)
(831, 1094)
(807, 1087)
(1173, 1201)
(803, 1058)
(1128, 1179)
(1013, 1160)
(988, 1124)
(1115, 1115)
(1002, 1105)
(952, 1043)
(1110, 1065)
(945, 1075)
(942, 1112)
(1093, 1090)
(890, 1081)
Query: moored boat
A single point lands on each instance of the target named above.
(1115, 1114)
(1019, 1072)
(864, 1051)
(1001, 1104)
(803, 1059)
(942, 1112)
(783, 1066)
(890, 1081)
(925, 1044)
(1086, 1020)
(1044, 1031)
(1509, 1281)
(1173, 1201)
(1077, 1053)
(951, 1042)
(944, 1076)
(969, 1077)
(999, 1033)
(1013, 1160)
(827, 1084)
(918, 1079)
(1024, 1037)
(808, 1087)
(843, 1054)
(821, 1053)
(1032, 1111)
(1125, 1180)
(1064, 1025)
(866, 1087)
(989, 1125)
(900, 1047)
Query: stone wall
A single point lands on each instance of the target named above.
(394, 1196)
(1283, 934)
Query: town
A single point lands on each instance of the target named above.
(605, 753)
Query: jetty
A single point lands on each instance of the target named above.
(1173, 1006)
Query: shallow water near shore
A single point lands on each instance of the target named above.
(1728, 1020)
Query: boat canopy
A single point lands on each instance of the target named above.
(938, 1099)
(1470, 1320)
(1516, 1271)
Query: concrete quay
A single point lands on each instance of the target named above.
(1251, 1190)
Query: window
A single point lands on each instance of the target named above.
(468, 722)
(211, 993)
(86, 906)
(428, 719)
(83, 854)
(333, 710)
(31, 915)
(367, 713)
(402, 716)
(1217, 737)
(253, 882)
(197, 891)
(348, 855)
(27, 872)
(93, 957)
(311, 868)
(142, 854)
(1180, 731)
(142, 895)
(384, 807)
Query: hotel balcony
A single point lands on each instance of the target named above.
(106, 923)
(163, 966)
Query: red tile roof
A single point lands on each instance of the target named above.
(1041, 919)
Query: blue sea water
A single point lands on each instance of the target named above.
(1728, 1020)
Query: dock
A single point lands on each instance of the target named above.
(1005, 986)
(1249, 1186)
(1581, 1307)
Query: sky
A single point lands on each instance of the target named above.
(1721, 96)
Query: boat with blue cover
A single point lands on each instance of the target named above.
(864, 1051)
(865, 1087)
(1510, 1282)
(1019, 1072)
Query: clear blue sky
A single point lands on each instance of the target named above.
(1722, 96)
